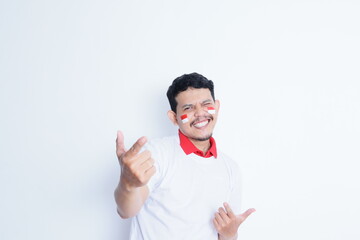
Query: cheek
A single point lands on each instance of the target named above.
(184, 118)
(211, 110)
(181, 118)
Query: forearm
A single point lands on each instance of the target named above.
(129, 200)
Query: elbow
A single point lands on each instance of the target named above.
(124, 215)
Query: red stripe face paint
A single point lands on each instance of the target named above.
(184, 118)
(211, 110)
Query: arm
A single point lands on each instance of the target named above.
(129, 200)
(227, 223)
(136, 170)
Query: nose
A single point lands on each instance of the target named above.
(199, 110)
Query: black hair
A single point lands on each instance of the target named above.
(182, 83)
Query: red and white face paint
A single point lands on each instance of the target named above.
(184, 118)
(211, 110)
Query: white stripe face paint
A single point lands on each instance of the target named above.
(184, 118)
(211, 110)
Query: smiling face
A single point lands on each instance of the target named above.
(195, 103)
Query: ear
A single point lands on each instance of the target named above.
(172, 116)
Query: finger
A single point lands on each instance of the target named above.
(216, 224)
(120, 147)
(229, 211)
(223, 215)
(139, 159)
(146, 165)
(146, 176)
(247, 213)
(219, 219)
(135, 149)
(150, 172)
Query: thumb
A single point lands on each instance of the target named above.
(246, 214)
(120, 147)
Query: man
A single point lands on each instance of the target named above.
(181, 187)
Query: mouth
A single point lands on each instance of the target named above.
(199, 124)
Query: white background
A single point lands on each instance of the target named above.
(73, 72)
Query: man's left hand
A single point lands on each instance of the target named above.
(227, 223)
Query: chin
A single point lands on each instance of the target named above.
(205, 138)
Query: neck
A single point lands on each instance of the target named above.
(201, 145)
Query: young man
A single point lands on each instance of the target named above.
(181, 187)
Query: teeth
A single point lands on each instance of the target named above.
(201, 124)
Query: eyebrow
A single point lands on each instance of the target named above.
(190, 105)
(207, 100)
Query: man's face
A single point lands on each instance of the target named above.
(194, 102)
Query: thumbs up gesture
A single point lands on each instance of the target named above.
(136, 168)
(227, 223)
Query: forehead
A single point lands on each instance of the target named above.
(193, 95)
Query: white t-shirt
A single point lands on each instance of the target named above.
(185, 193)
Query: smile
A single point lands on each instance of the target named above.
(201, 124)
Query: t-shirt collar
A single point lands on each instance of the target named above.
(188, 147)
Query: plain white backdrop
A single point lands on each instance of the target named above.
(74, 72)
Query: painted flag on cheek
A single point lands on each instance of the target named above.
(184, 118)
(211, 110)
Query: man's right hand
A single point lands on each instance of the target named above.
(136, 168)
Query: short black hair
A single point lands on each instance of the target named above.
(182, 83)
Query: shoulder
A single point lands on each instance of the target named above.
(169, 140)
(162, 148)
(162, 144)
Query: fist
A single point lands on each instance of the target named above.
(136, 168)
